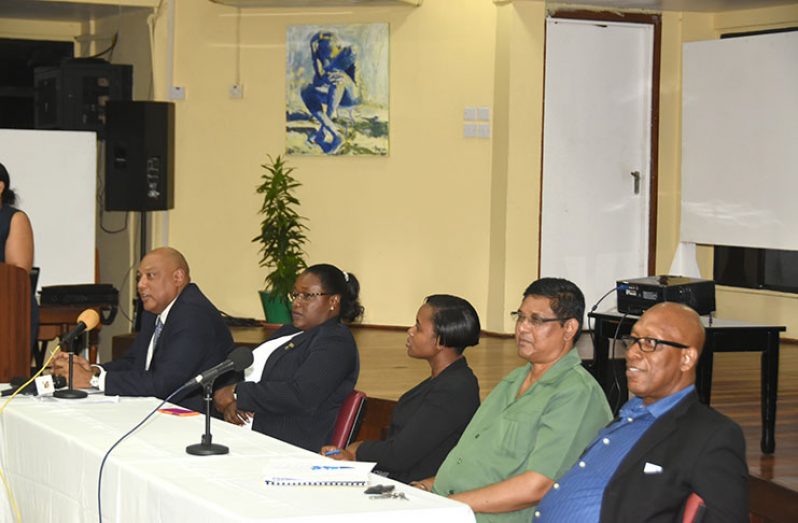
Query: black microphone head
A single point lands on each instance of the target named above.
(241, 358)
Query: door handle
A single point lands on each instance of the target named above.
(636, 176)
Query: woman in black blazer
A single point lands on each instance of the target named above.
(429, 418)
(303, 373)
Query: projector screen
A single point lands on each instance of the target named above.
(740, 142)
(54, 174)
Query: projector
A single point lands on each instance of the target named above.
(637, 295)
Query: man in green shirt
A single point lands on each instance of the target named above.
(536, 421)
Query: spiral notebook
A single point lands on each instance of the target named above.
(319, 473)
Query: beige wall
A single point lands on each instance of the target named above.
(440, 214)
(407, 225)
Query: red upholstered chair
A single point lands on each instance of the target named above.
(348, 419)
(693, 509)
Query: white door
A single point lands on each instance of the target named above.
(596, 154)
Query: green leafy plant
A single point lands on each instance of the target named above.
(282, 233)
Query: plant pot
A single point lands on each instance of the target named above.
(276, 309)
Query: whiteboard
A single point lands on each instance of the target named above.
(740, 142)
(54, 175)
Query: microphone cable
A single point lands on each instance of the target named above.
(128, 433)
(11, 499)
(89, 320)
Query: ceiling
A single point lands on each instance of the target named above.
(77, 11)
(67, 11)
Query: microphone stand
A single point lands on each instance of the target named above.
(70, 393)
(206, 447)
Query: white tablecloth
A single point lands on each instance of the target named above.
(51, 452)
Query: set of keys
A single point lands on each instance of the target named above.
(384, 492)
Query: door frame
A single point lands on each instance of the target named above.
(655, 20)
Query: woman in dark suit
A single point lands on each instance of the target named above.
(429, 418)
(303, 373)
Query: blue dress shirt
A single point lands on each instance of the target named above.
(576, 497)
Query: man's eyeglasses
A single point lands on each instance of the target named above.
(305, 296)
(533, 320)
(650, 344)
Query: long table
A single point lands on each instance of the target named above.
(51, 452)
(721, 336)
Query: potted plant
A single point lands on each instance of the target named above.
(282, 238)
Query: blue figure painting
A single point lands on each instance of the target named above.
(337, 90)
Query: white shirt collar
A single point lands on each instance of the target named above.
(166, 310)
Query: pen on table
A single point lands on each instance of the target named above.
(332, 452)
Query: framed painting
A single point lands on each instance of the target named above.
(337, 90)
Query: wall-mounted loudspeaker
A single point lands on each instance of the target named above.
(139, 156)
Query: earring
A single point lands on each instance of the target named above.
(332, 308)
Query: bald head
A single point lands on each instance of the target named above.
(683, 321)
(173, 257)
(668, 369)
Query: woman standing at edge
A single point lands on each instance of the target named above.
(429, 418)
(304, 371)
(16, 240)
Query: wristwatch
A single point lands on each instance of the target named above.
(235, 392)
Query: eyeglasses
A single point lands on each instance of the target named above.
(650, 344)
(533, 320)
(305, 296)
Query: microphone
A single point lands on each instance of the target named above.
(238, 360)
(87, 320)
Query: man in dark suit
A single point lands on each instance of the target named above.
(664, 445)
(182, 334)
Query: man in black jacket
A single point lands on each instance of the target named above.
(664, 445)
(182, 334)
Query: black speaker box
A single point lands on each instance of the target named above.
(139, 156)
(74, 94)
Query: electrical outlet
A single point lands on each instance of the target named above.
(236, 91)
(177, 92)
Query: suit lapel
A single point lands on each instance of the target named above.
(660, 430)
(296, 343)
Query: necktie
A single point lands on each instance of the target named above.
(157, 333)
(155, 336)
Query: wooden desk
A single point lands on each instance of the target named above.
(15, 330)
(722, 336)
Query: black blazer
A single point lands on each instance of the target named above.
(426, 424)
(194, 338)
(303, 385)
(699, 450)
